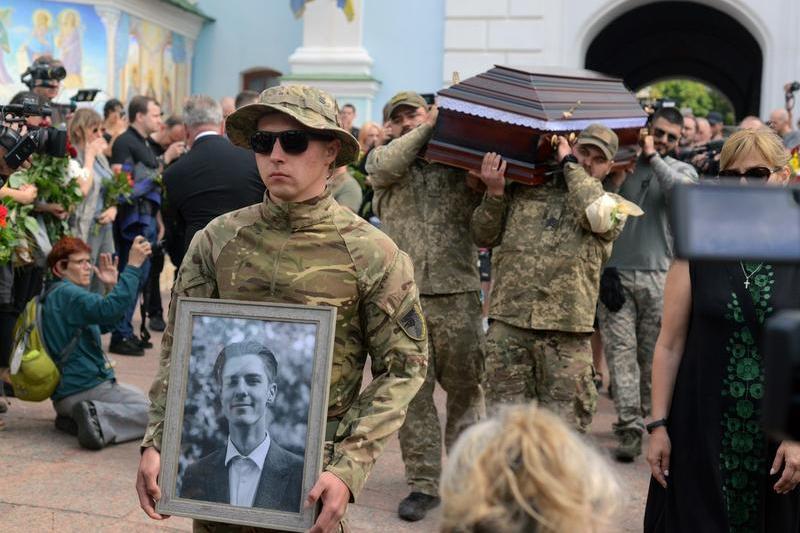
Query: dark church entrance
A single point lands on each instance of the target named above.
(682, 40)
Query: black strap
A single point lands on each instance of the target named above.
(65, 353)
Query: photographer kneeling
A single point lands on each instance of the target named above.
(89, 401)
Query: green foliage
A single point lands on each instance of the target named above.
(21, 226)
(55, 185)
(701, 98)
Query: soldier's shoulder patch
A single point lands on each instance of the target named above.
(413, 323)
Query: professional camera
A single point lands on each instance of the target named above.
(50, 141)
(46, 72)
(754, 223)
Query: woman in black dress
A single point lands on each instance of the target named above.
(714, 468)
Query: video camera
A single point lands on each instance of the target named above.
(50, 141)
(46, 71)
(716, 222)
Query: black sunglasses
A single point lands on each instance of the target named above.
(658, 133)
(759, 173)
(293, 142)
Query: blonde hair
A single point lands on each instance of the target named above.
(364, 131)
(82, 121)
(762, 141)
(525, 471)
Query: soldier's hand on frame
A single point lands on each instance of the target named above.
(335, 496)
(147, 482)
(564, 149)
(493, 172)
(658, 453)
(433, 114)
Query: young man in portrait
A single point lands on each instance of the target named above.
(251, 469)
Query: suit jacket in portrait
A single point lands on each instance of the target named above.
(279, 489)
(213, 178)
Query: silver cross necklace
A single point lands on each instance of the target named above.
(748, 276)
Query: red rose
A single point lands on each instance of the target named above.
(73, 153)
(3, 214)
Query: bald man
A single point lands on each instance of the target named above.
(703, 133)
(780, 122)
(751, 122)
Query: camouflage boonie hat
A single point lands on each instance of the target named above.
(602, 137)
(313, 108)
(408, 98)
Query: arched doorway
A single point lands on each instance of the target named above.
(682, 39)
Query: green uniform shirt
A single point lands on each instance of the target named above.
(426, 208)
(69, 307)
(318, 253)
(546, 263)
(346, 191)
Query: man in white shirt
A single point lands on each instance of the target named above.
(251, 470)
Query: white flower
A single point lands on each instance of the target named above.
(75, 171)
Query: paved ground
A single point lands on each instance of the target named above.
(48, 483)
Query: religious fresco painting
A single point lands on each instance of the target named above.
(72, 33)
(146, 58)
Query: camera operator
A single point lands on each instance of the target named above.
(89, 401)
(17, 284)
(780, 121)
(44, 77)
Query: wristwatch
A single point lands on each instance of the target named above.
(656, 424)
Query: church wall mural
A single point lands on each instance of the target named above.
(101, 48)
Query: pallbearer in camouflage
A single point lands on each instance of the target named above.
(550, 244)
(426, 208)
(299, 246)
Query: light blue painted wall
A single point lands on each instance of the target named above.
(407, 45)
(246, 34)
(406, 41)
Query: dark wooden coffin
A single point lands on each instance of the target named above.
(517, 114)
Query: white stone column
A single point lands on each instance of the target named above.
(332, 56)
(109, 16)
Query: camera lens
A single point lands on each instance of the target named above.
(57, 73)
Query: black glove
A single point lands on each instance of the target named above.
(611, 293)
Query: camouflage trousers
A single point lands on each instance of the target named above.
(455, 361)
(552, 367)
(629, 337)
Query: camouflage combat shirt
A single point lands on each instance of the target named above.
(547, 262)
(426, 208)
(318, 253)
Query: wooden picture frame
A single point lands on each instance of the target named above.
(215, 405)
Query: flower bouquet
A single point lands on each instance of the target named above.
(118, 189)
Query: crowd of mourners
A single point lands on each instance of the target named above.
(515, 299)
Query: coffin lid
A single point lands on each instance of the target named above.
(550, 99)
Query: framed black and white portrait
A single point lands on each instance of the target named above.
(247, 403)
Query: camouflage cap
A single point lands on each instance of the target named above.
(313, 108)
(408, 98)
(602, 137)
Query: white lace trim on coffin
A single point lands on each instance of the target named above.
(483, 111)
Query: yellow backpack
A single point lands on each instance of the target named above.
(34, 375)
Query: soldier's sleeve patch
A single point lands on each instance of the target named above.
(413, 323)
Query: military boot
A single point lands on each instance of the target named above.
(629, 446)
(416, 505)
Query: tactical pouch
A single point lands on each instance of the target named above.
(611, 292)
